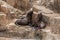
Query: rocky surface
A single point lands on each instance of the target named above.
(19, 4)
(51, 32)
(11, 10)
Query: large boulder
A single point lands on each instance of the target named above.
(20, 4)
(10, 11)
(20, 31)
(52, 30)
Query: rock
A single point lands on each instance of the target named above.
(6, 8)
(20, 4)
(10, 11)
(3, 28)
(53, 25)
(3, 7)
(3, 38)
(21, 31)
(3, 19)
(37, 8)
(11, 2)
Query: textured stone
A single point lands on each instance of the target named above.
(10, 11)
(21, 31)
(20, 4)
(3, 19)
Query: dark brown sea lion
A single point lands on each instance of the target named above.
(25, 19)
(43, 21)
(39, 21)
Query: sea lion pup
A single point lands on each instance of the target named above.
(43, 21)
(25, 20)
(39, 21)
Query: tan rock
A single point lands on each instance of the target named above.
(4, 9)
(3, 19)
(20, 4)
(10, 11)
(11, 2)
(3, 28)
(53, 18)
(21, 31)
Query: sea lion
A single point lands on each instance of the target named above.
(37, 20)
(25, 19)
